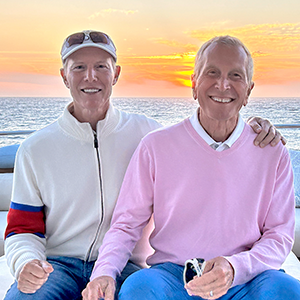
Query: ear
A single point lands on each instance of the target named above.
(117, 74)
(193, 80)
(193, 86)
(64, 77)
(248, 93)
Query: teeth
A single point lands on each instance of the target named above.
(91, 90)
(222, 100)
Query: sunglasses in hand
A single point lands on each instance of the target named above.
(193, 267)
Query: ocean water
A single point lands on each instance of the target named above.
(35, 113)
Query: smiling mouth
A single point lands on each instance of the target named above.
(221, 100)
(91, 91)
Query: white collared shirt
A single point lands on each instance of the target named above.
(218, 146)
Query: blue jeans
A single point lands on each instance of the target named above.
(69, 278)
(164, 282)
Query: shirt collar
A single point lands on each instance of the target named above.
(219, 146)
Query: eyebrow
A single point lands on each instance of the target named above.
(238, 70)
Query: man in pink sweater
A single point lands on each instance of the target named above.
(212, 194)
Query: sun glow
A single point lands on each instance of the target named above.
(156, 47)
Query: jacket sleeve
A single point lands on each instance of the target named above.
(25, 232)
(276, 242)
(132, 212)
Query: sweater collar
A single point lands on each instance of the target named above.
(84, 131)
(219, 146)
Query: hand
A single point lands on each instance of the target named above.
(217, 278)
(100, 287)
(33, 275)
(267, 133)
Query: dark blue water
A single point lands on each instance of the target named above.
(35, 113)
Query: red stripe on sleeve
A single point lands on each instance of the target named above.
(20, 221)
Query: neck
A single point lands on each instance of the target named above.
(89, 116)
(218, 130)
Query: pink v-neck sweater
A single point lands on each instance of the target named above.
(238, 203)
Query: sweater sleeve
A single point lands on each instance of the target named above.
(25, 232)
(270, 251)
(132, 212)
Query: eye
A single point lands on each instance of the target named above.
(101, 66)
(78, 67)
(236, 75)
(212, 72)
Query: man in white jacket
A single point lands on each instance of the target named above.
(68, 176)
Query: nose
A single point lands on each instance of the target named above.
(222, 84)
(90, 75)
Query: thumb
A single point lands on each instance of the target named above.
(47, 267)
(208, 266)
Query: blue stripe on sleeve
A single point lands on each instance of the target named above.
(36, 233)
(25, 207)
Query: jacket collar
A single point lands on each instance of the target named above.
(83, 131)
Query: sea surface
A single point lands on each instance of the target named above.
(35, 113)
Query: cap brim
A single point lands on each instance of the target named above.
(84, 45)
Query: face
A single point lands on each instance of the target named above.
(89, 73)
(222, 87)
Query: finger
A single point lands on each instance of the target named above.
(255, 122)
(34, 268)
(218, 279)
(283, 140)
(32, 281)
(218, 287)
(47, 267)
(27, 290)
(92, 292)
(214, 294)
(27, 287)
(92, 295)
(269, 137)
(200, 286)
(276, 138)
(109, 293)
(262, 128)
(273, 138)
(265, 137)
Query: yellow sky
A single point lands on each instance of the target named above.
(156, 42)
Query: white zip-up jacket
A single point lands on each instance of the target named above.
(66, 183)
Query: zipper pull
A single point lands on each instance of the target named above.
(95, 141)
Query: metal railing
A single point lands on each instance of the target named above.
(291, 126)
(16, 132)
(20, 132)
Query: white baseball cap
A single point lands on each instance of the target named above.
(88, 38)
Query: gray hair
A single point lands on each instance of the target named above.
(229, 41)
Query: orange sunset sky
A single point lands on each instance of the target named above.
(156, 42)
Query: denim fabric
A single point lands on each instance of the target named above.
(66, 282)
(164, 281)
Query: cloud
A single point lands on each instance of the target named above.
(105, 12)
(176, 44)
(175, 68)
(279, 37)
(259, 54)
(275, 49)
(30, 62)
